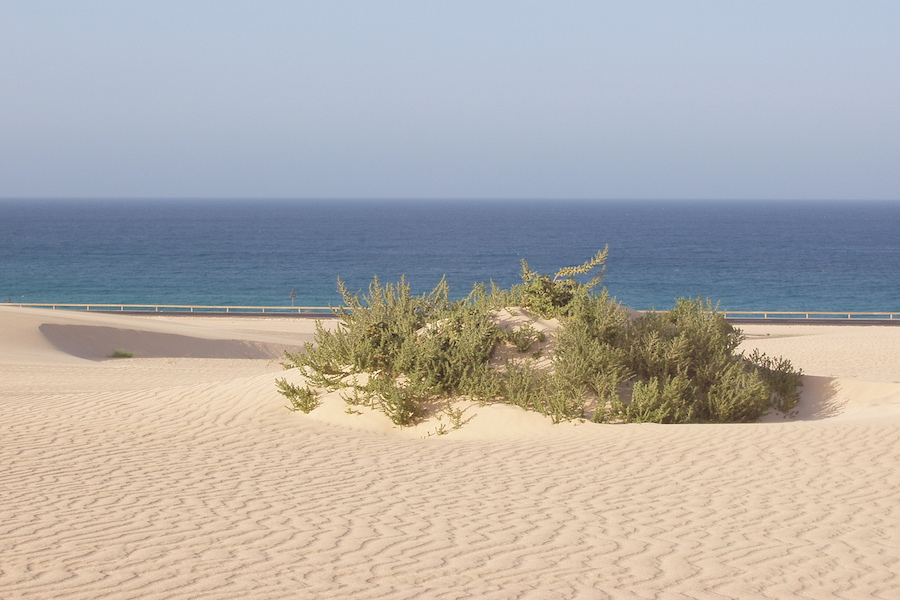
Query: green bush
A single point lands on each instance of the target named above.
(782, 381)
(402, 403)
(678, 366)
(302, 399)
(681, 364)
(524, 386)
(553, 296)
(450, 351)
(524, 337)
(738, 395)
(660, 401)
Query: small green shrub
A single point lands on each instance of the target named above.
(524, 386)
(302, 399)
(483, 384)
(564, 400)
(781, 379)
(450, 351)
(523, 337)
(553, 296)
(403, 404)
(738, 396)
(121, 354)
(440, 345)
(589, 346)
(355, 396)
(455, 415)
(660, 401)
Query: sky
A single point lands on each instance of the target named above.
(465, 99)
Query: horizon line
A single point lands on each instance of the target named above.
(447, 198)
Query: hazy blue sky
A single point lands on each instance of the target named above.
(371, 98)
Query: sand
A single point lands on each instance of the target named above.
(179, 474)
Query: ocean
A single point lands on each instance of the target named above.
(745, 255)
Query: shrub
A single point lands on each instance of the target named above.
(524, 386)
(450, 351)
(737, 396)
(681, 363)
(371, 332)
(301, 399)
(564, 399)
(402, 403)
(524, 337)
(782, 382)
(589, 345)
(678, 366)
(553, 296)
(660, 401)
(437, 346)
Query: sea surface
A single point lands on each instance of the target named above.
(746, 255)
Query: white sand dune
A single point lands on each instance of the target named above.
(179, 474)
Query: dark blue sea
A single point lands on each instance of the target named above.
(747, 255)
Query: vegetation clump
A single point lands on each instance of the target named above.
(554, 296)
(416, 352)
(302, 399)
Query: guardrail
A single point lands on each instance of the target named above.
(176, 308)
(200, 309)
(775, 314)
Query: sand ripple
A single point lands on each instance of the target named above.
(143, 487)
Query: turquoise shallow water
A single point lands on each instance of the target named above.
(840, 256)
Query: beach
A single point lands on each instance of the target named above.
(179, 474)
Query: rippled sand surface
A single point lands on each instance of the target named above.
(179, 474)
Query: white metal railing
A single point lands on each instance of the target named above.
(776, 314)
(198, 308)
(173, 308)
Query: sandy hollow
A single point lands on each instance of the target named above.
(179, 474)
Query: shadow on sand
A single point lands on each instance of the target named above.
(818, 400)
